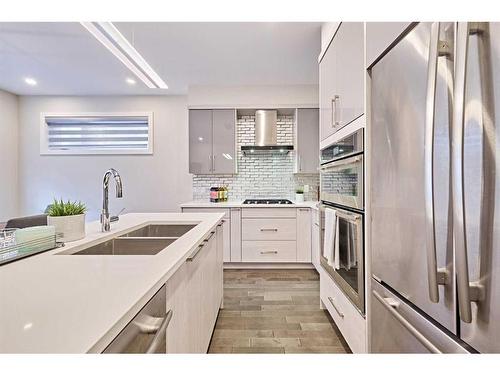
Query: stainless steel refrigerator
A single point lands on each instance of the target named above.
(435, 201)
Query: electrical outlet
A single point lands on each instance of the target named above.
(306, 188)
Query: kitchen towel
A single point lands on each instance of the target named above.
(336, 244)
(330, 245)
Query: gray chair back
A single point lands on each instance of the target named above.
(27, 221)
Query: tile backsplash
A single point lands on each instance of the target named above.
(260, 176)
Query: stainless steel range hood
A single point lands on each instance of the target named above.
(266, 135)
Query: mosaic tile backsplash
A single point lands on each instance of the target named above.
(260, 176)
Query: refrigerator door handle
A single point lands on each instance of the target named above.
(435, 276)
(467, 291)
(392, 306)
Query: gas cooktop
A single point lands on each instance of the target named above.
(267, 201)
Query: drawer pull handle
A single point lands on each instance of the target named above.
(335, 307)
(269, 252)
(268, 229)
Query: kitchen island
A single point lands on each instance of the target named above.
(53, 303)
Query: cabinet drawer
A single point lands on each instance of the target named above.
(268, 229)
(348, 319)
(214, 210)
(269, 212)
(269, 251)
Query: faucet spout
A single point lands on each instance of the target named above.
(105, 218)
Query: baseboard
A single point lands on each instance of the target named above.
(268, 266)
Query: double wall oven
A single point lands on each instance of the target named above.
(342, 215)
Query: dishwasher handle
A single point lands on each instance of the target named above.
(162, 331)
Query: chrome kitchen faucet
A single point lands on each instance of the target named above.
(105, 218)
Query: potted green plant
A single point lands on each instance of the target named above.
(299, 195)
(68, 218)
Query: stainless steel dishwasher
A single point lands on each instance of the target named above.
(146, 333)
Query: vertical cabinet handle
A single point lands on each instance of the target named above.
(334, 103)
(435, 276)
(467, 292)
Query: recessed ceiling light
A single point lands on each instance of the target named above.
(130, 81)
(118, 45)
(30, 81)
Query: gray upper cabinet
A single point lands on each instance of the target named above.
(224, 141)
(307, 121)
(212, 141)
(342, 79)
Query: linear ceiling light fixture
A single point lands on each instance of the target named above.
(118, 45)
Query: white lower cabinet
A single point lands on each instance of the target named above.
(315, 240)
(235, 235)
(194, 294)
(303, 235)
(264, 234)
(348, 319)
(269, 251)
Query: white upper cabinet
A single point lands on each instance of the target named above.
(379, 36)
(342, 79)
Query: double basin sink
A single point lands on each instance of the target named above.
(148, 240)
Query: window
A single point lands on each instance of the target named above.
(91, 133)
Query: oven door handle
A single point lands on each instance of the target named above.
(338, 163)
(351, 217)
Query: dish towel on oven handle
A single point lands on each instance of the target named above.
(331, 240)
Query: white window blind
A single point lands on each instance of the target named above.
(94, 134)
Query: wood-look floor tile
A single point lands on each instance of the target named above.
(242, 333)
(315, 350)
(307, 319)
(274, 311)
(316, 326)
(274, 342)
(231, 341)
(301, 334)
(220, 349)
(259, 350)
(290, 307)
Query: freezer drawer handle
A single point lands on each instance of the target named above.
(269, 252)
(467, 291)
(392, 306)
(435, 276)
(341, 314)
(157, 339)
(268, 229)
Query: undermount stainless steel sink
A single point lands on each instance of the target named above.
(148, 240)
(161, 230)
(128, 246)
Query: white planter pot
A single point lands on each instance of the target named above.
(68, 228)
(299, 198)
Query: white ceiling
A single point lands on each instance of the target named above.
(66, 60)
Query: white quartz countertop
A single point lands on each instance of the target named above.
(78, 303)
(239, 203)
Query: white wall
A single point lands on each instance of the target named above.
(254, 96)
(9, 199)
(158, 182)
